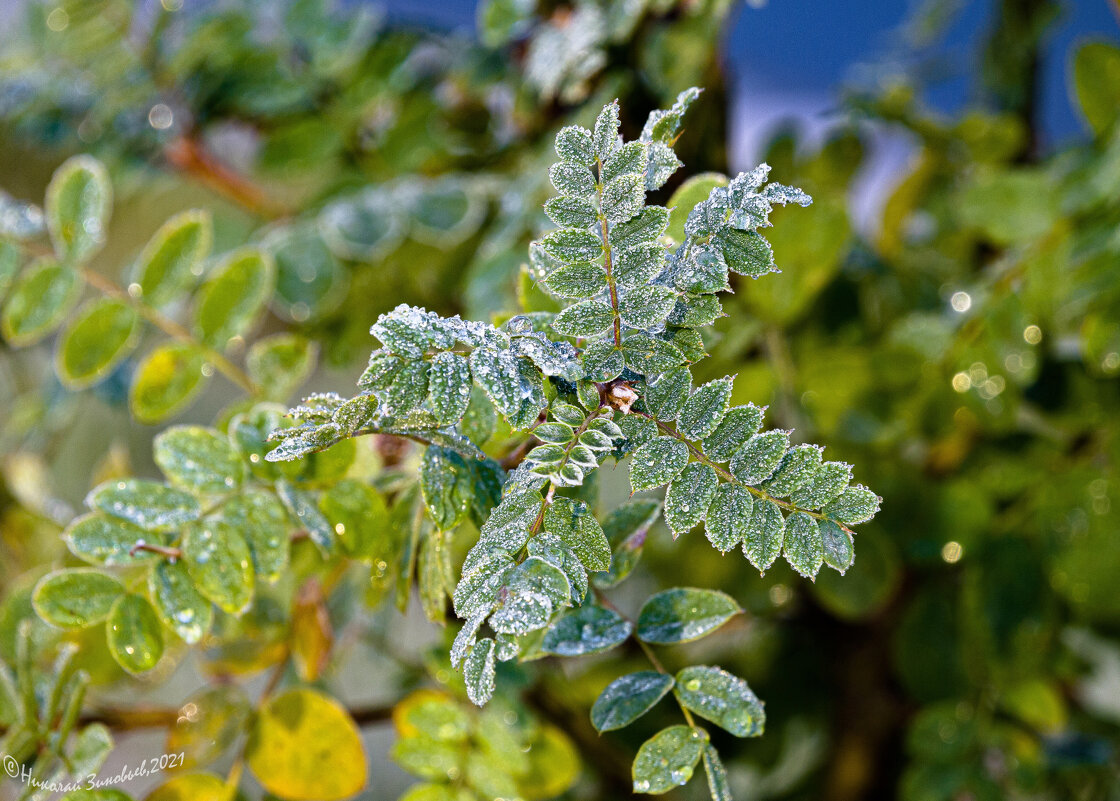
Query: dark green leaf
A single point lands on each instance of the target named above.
(682, 614)
(588, 630)
(804, 548)
(765, 534)
(757, 460)
(657, 463)
(667, 760)
(628, 698)
(722, 698)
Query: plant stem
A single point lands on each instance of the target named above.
(188, 155)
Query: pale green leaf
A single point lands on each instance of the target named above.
(280, 363)
(147, 504)
(668, 759)
(220, 564)
(173, 257)
(96, 341)
(688, 497)
(233, 295)
(76, 597)
(166, 381)
(825, 486)
(134, 634)
(79, 200)
(177, 603)
(262, 522)
(573, 143)
(647, 307)
(478, 671)
(41, 298)
(574, 524)
(198, 458)
(105, 540)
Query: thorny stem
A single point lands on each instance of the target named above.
(646, 649)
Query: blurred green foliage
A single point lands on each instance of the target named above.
(964, 353)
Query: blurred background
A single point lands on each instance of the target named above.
(947, 319)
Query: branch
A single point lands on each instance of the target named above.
(188, 155)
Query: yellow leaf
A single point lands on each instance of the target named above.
(306, 747)
(192, 787)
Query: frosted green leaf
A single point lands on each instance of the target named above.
(855, 505)
(79, 199)
(839, 550)
(354, 414)
(104, 540)
(166, 381)
(588, 630)
(729, 517)
(553, 550)
(667, 760)
(480, 418)
(198, 458)
(797, 467)
(718, 787)
(533, 590)
(134, 634)
(177, 603)
(603, 361)
(560, 433)
(824, 487)
(765, 534)
(647, 307)
(596, 441)
(39, 301)
(584, 319)
(804, 547)
(580, 280)
(514, 385)
(662, 124)
(411, 331)
(746, 252)
(76, 597)
(705, 408)
(722, 698)
(665, 397)
(302, 507)
(696, 311)
(584, 457)
(96, 341)
(449, 386)
(636, 431)
(757, 460)
(478, 672)
(683, 614)
(406, 389)
(628, 698)
(568, 414)
(588, 394)
(657, 463)
(701, 270)
(173, 257)
(572, 244)
(686, 502)
(649, 356)
(509, 524)
(573, 523)
(445, 486)
(547, 454)
(607, 427)
(233, 296)
(638, 266)
(280, 363)
(261, 521)
(628, 159)
(219, 563)
(571, 212)
(623, 198)
(572, 179)
(573, 143)
(478, 586)
(644, 229)
(149, 505)
(604, 137)
(689, 342)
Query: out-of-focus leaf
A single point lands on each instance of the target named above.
(91, 346)
(166, 381)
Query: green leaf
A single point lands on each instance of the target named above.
(686, 502)
(573, 143)
(509, 524)
(855, 505)
(825, 486)
(588, 630)
(280, 363)
(572, 244)
(839, 550)
(665, 397)
(580, 280)
(647, 307)
(446, 486)
(39, 301)
(533, 591)
(757, 460)
(667, 760)
(572, 180)
(570, 212)
(76, 597)
(722, 698)
(602, 361)
(198, 458)
(657, 463)
(177, 603)
(79, 199)
(233, 296)
(604, 137)
(687, 195)
(584, 319)
(134, 634)
(683, 614)
(96, 341)
(804, 548)
(797, 467)
(623, 198)
(639, 265)
(173, 257)
(573, 523)
(765, 534)
(514, 385)
(478, 671)
(262, 522)
(649, 356)
(696, 311)
(166, 381)
(718, 787)
(360, 518)
(746, 252)
(628, 698)
(147, 504)
(449, 386)
(642, 230)
(220, 564)
(478, 587)
(302, 507)
(1096, 79)
(630, 159)
(705, 409)
(729, 517)
(104, 540)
